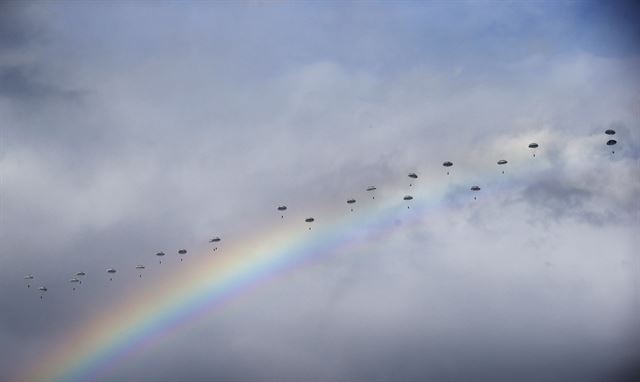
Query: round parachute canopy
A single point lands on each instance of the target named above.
(502, 161)
(610, 132)
(139, 266)
(447, 164)
(214, 240)
(533, 145)
(611, 142)
(111, 270)
(408, 197)
(475, 188)
(74, 280)
(413, 175)
(28, 277)
(160, 254)
(371, 188)
(282, 208)
(351, 201)
(42, 289)
(80, 274)
(309, 220)
(182, 251)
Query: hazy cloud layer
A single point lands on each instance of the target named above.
(128, 128)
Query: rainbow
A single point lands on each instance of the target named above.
(209, 282)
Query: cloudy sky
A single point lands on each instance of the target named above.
(130, 128)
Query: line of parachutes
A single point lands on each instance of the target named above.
(448, 165)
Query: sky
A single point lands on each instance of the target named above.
(130, 128)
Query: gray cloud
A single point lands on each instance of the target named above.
(129, 129)
(17, 84)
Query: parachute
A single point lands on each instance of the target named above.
(80, 274)
(370, 189)
(475, 189)
(413, 175)
(140, 268)
(42, 289)
(160, 254)
(610, 132)
(182, 252)
(74, 281)
(309, 220)
(407, 198)
(447, 164)
(214, 240)
(28, 277)
(502, 162)
(351, 201)
(612, 142)
(533, 146)
(111, 271)
(282, 208)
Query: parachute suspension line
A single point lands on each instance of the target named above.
(407, 198)
(412, 175)
(309, 220)
(372, 190)
(282, 208)
(446, 165)
(475, 189)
